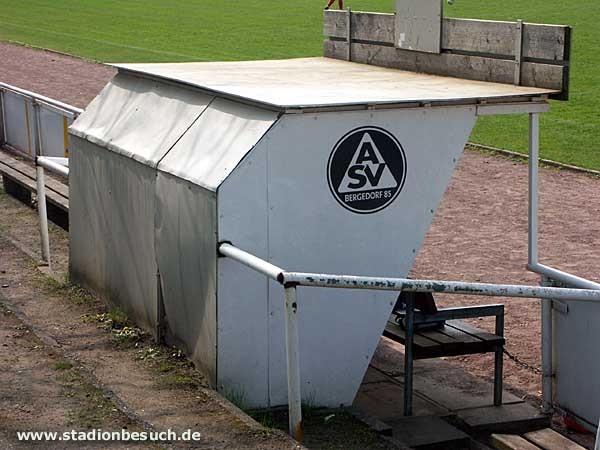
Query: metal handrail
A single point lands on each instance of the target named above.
(61, 167)
(438, 286)
(549, 274)
(43, 100)
(290, 281)
(33, 123)
(251, 261)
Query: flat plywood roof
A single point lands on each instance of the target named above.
(325, 82)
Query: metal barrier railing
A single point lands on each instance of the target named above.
(34, 125)
(549, 274)
(291, 280)
(61, 167)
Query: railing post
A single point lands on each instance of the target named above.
(547, 363)
(41, 201)
(293, 363)
(499, 361)
(408, 353)
(37, 123)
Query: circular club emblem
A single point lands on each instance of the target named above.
(366, 170)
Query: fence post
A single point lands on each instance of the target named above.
(293, 363)
(41, 202)
(499, 361)
(349, 33)
(408, 353)
(37, 121)
(547, 362)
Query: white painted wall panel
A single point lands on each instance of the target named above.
(243, 308)
(53, 133)
(308, 230)
(577, 360)
(20, 126)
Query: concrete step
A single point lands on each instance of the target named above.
(515, 418)
(428, 433)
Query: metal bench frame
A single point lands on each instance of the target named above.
(415, 317)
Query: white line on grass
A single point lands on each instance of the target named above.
(100, 41)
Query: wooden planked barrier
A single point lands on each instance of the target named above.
(471, 49)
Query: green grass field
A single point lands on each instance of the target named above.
(204, 30)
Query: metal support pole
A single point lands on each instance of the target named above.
(408, 353)
(534, 154)
(498, 362)
(533, 260)
(37, 120)
(293, 363)
(547, 360)
(597, 445)
(41, 201)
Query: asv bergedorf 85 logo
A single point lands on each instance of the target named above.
(366, 170)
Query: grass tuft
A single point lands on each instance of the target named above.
(63, 365)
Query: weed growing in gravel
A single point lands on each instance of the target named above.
(127, 336)
(237, 396)
(63, 365)
(117, 322)
(265, 418)
(72, 291)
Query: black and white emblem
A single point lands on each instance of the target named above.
(366, 170)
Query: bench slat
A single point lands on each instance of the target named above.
(448, 341)
(420, 341)
(474, 331)
(29, 171)
(17, 177)
(457, 334)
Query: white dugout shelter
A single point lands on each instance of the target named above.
(313, 164)
(273, 157)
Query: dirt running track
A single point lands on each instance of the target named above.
(479, 232)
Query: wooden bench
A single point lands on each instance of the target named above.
(453, 338)
(19, 179)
